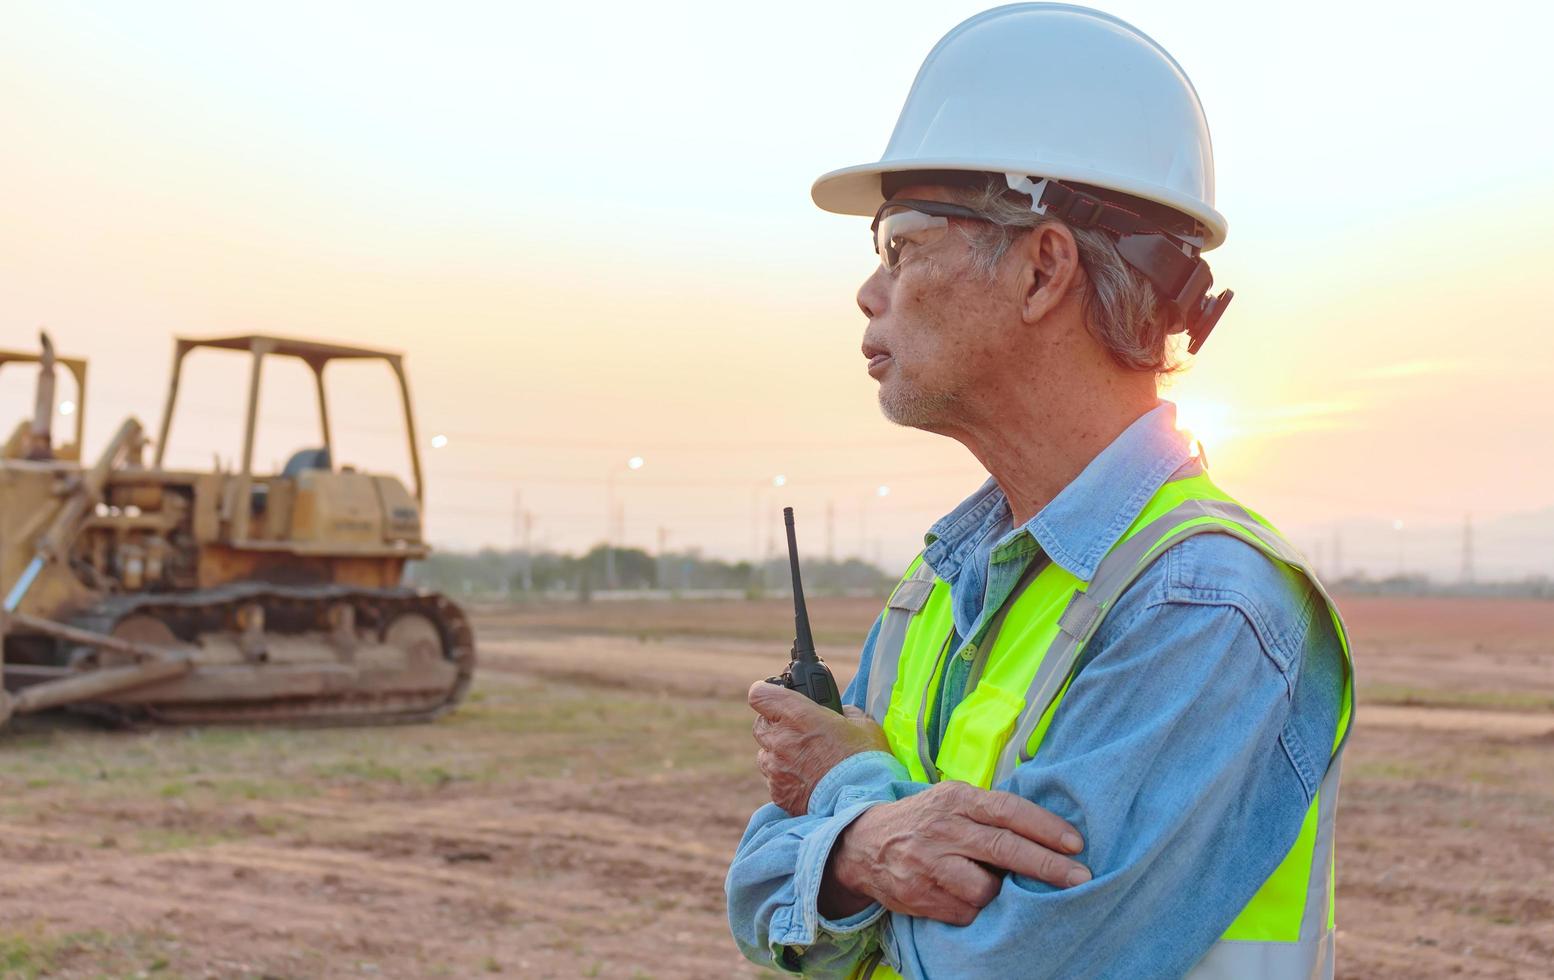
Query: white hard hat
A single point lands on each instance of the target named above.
(1054, 91)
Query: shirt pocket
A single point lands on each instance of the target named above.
(979, 728)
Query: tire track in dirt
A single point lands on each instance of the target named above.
(273, 895)
(684, 666)
(1509, 724)
(1388, 959)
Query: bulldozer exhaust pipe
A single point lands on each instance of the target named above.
(40, 439)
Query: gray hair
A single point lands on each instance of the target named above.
(1121, 308)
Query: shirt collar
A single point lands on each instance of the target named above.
(1082, 523)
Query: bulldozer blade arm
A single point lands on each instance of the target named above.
(93, 685)
(157, 664)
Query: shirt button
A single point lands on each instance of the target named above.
(968, 651)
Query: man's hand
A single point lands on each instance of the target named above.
(940, 854)
(801, 741)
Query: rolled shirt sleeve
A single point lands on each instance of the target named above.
(773, 883)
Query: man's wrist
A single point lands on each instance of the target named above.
(860, 776)
(842, 887)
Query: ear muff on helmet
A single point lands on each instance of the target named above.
(1173, 265)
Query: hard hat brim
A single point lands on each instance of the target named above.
(856, 190)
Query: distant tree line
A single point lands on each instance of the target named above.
(1532, 587)
(493, 572)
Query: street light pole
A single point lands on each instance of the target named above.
(863, 533)
(614, 520)
(609, 530)
(762, 560)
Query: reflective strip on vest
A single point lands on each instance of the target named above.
(1120, 568)
(907, 599)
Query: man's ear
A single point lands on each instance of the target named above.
(1050, 269)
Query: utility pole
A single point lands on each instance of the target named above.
(609, 531)
(507, 586)
(755, 521)
(663, 543)
(1467, 549)
(615, 518)
(620, 540)
(528, 551)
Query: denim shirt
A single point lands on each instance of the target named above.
(1199, 723)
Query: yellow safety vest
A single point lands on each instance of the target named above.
(1022, 667)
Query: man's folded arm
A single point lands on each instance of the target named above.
(1166, 755)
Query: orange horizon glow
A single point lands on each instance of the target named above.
(593, 248)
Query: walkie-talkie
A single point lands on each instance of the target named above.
(806, 672)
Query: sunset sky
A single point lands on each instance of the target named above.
(590, 231)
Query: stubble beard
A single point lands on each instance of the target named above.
(908, 405)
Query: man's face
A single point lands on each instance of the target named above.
(933, 324)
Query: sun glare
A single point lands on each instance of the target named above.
(1207, 422)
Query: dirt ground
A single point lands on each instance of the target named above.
(575, 817)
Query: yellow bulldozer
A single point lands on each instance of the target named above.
(143, 593)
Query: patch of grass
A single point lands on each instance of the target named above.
(1387, 769)
(838, 639)
(1498, 916)
(1439, 698)
(243, 788)
(22, 956)
(389, 771)
(33, 954)
(438, 777)
(358, 770)
(160, 840)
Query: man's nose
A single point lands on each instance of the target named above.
(872, 294)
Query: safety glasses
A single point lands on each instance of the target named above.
(898, 224)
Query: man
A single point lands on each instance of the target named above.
(1096, 730)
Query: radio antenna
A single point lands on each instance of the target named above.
(803, 640)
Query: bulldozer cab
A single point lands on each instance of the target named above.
(316, 356)
(312, 505)
(32, 438)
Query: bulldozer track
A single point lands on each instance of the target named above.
(297, 609)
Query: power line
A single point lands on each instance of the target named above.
(520, 441)
(487, 476)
